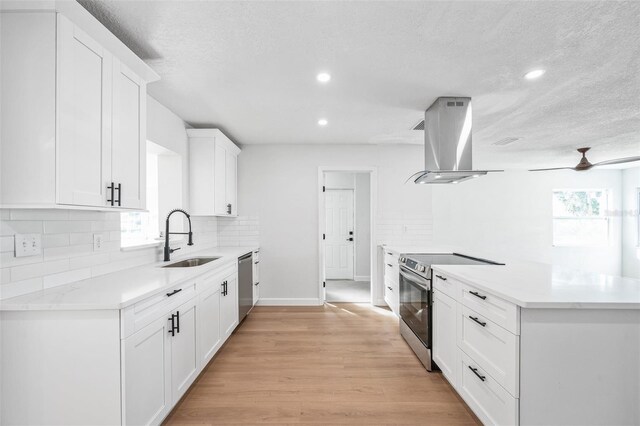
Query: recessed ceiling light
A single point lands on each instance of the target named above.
(532, 75)
(322, 122)
(323, 77)
(454, 182)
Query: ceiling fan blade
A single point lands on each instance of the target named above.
(618, 161)
(553, 168)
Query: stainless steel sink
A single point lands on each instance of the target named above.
(194, 261)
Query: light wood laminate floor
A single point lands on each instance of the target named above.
(333, 364)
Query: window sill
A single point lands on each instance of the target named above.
(141, 245)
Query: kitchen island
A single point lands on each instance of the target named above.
(530, 343)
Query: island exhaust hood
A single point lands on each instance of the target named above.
(447, 143)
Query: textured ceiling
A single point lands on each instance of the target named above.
(249, 68)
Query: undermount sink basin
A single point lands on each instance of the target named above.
(194, 261)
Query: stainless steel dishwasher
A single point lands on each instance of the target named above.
(245, 285)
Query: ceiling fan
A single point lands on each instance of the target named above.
(585, 165)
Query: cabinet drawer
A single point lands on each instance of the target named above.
(391, 295)
(146, 311)
(489, 401)
(492, 347)
(498, 310)
(215, 278)
(391, 272)
(446, 285)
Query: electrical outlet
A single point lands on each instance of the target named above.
(28, 245)
(97, 242)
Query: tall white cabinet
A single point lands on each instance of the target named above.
(73, 115)
(213, 173)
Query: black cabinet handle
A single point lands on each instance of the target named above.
(224, 288)
(174, 292)
(475, 319)
(228, 208)
(390, 288)
(178, 320)
(256, 262)
(441, 277)
(257, 283)
(119, 189)
(476, 294)
(172, 330)
(110, 188)
(390, 265)
(389, 253)
(475, 371)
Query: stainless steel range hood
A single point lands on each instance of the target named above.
(447, 148)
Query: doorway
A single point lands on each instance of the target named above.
(346, 225)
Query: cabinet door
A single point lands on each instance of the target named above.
(83, 102)
(208, 324)
(256, 280)
(231, 184)
(128, 144)
(219, 180)
(229, 307)
(146, 374)
(444, 335)
(184, 358)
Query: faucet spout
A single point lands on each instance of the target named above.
(167, 249)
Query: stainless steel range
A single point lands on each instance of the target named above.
(416, 298)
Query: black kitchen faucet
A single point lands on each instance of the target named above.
(167, 249)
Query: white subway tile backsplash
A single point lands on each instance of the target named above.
(68, 254)
(66, 226)
(8, 228)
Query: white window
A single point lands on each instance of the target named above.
(580, 218)
(164, 170)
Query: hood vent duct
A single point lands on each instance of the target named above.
(447, 149)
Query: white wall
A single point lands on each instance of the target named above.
(509, 215)
(279, 184)
(359, 183)
(630, 243)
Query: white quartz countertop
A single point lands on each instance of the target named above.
(539, 285)
(123, 288)
(398, 249)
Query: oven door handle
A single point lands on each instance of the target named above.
(415, 279)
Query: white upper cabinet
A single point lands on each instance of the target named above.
(213, 173)
(73, 114)
(128, 146)
(83, 145)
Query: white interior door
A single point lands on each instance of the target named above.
(339, 234)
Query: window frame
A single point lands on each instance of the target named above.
(604, 217)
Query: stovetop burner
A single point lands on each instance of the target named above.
(420, 263)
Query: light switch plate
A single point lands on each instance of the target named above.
(28, 245)
(97, 242)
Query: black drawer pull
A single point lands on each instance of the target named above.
(390, 288)
(476, 294)
(475, 319)
(389, 253)
(441, 277)
(174, 292)
(178, 321)
(390, 265)
(257, 283)
(475, 371)
(256, 262)
(172, 330)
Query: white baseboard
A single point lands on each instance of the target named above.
(289, 302)
(362, 278)
(381, 302)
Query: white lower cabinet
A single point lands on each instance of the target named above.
(478, 356)
(488, 400)
(256, 276)
(229, 305)
(209, 337)
(184, 358)
(444, 335)
(146, 374)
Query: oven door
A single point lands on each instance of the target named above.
(415, 304)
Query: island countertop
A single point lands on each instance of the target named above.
(539, 285)
(120, 289)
